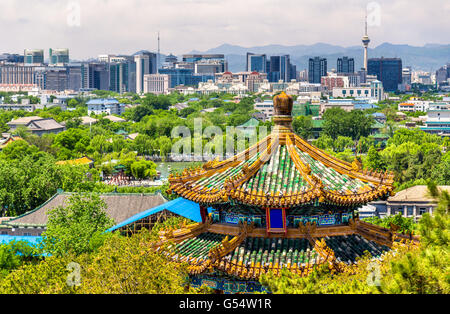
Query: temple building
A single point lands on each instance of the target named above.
(119, 207)
(281, 204)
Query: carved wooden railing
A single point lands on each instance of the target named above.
(187, 232)
(407, 237)
(374, 233)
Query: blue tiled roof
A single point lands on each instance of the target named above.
(32, 240)
(102, 101)
(180, 206)
(435, 129)
(365, 106)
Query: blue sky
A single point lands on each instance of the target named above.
(125, 26)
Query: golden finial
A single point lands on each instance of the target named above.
(282, 104)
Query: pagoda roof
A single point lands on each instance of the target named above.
(253, 122)
(282, 171)
(76, 162)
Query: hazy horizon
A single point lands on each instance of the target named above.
(90, 28)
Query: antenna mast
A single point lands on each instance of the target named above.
(159, 54)
(366, 24)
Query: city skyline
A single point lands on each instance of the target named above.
(187, 25)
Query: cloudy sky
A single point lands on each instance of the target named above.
(92, 27)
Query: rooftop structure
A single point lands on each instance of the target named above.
(88, 120)
(438, 119)
(37, 125)
(280, 204)
(7, 140)
(413, 202)
(101, 106)
(77, 162)
(119, 207)
(114, 119)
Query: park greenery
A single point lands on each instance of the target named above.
(408, 269)
(109, 263)
(32, 175)
(77, 256)
(116, 264)
(405, 225)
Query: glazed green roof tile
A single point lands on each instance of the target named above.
(198, 247)
(287, 167)
(276, 251)
(348, 248)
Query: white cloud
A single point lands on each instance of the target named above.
(125, 26)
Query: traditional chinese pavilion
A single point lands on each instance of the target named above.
(282, 203)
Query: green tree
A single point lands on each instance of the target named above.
(77, 227)
(18, 150)
(303, 126)
(374, 160)
(143, 169)
(354, 124)
(122, 265)
(165, 146)
(342, 143)
(66, 143)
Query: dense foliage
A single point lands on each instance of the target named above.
(414, 155)
(122, 265)
(408, 269)
(406, 225)
(81, 258)
(354, 124)
(78, 227)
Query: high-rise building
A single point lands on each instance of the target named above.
(11, 58)
(170, 61)
(33, 56)
(256, 63)
(118, 77)
(303, 76)
(156, 83)
(388, 71)
(75, 77)
(122, 74)
(443, 74)
(205, 60)
(17, 74)
(145, 64)
(58, 56)
(179, 77)
(56, 79)
(280, 68)
(98, 76)
(293, 72)
(345, 65)
(406, 79)
(317, 69)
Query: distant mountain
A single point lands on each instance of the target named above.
(428, 57)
